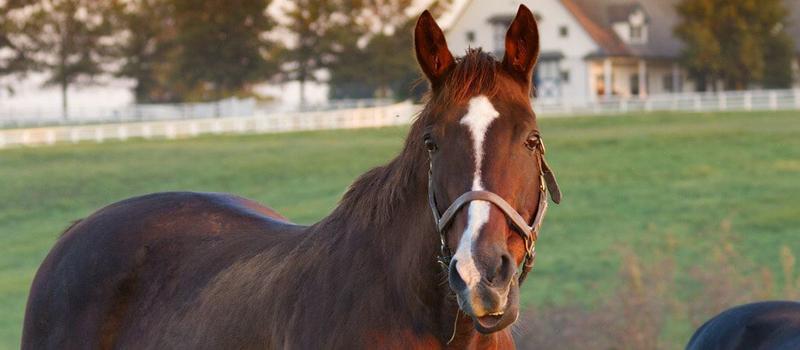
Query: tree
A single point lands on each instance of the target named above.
(221, 45)
(737, 42)
(779, 53)
(12, 55)
(320, 30)
(70, 40)
(146, 50)
(385, 65)
(384, 68)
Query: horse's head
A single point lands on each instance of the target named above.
(487, 168)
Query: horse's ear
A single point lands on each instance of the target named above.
(522, 45)
(433, 55)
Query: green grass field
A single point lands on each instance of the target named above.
(629, 183)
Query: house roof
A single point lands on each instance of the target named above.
(621, 12)
(661, 19)
(591, 16)
(598, 16)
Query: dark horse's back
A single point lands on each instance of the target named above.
(90, 286)
(771, 325)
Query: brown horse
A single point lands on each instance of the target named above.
(767, 325)
(215, 271)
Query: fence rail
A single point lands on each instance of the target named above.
(272, 123)
(52, 115)
(261, 121)
(753, 100)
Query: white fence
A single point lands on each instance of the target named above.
(273, 123)
(261, 121)
(754, 100)
(51, 114)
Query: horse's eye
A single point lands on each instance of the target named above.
(532, 143)
(430, 145)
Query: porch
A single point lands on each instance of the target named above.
(629, 77)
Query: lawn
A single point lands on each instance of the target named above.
(630, 183)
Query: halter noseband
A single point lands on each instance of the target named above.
(529, 233)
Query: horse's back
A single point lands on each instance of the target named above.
(86, 285)
(771, 325)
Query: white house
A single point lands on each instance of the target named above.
(590, 49)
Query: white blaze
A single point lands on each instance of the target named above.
(479, 116)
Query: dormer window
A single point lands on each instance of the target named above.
(637, 21)
(636, 33)
(629, 22)
(500, 24)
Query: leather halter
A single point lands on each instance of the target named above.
(529, 233)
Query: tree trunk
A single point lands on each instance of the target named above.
(64, 105)
(217, 94)
(302, 92)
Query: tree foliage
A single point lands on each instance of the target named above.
(147, 31)
(13, 58)
(320, 31)
(221, 47)
(70, 40)
(737, 42)
(384, 66)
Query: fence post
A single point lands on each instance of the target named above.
(51, 136)
(170, 131)
(748, 101)
(696, 103)
(773, 100)
(796, 98)
(146, 132)
(73, 135)
(2, 139)
(723, 101)
(98, 135)
(122, 132)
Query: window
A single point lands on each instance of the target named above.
(470, 36)
(565, 76)
(667, 83)
(637, 33)
(635, 84)
(500, 28)
(563, 31)
(600, 84)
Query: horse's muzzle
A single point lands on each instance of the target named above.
(501, 311)
(493, 304)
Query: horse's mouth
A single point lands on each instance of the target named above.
(498, 321)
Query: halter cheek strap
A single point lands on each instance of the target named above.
(529, 233)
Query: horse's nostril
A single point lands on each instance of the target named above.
(497, 273)
(504, 271)
(455, 278)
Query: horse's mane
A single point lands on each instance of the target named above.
(376, 193)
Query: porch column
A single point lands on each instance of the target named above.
(607, 80)
(642, 79)
(676, 78)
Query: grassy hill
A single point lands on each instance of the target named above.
(695, 189)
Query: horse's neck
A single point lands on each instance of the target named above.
(407, 245)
